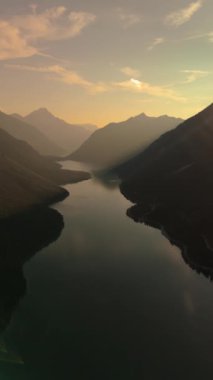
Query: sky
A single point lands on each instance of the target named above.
(98, 61)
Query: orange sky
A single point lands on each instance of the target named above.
(96, 61)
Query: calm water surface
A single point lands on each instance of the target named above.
(110, 299)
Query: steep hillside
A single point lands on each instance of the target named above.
(28, 179)
(179, 162)
(67, 136)
(21, 237)
(116, 142)
(171, 184)
(18, 128)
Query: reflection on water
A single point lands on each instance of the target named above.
(108, 183)
(194, 242)
(108, 179)
(23, 236)
(110, 299)
(183, 213)
(20, 239)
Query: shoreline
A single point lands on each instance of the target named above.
(59, 193)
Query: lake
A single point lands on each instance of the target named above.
(110, 299)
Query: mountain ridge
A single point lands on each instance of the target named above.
(171, 186)
(176, 161)
(118, 141)
(29, 180)
(67, 136)
(17, 127)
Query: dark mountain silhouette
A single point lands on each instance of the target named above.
(180, 160)
(21, 237)
(118, 141)
(29, 179)
(192, 235)
(67, 136)
(18, 128)
(171, 184)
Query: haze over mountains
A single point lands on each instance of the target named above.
(176, 170)
(177, 152)
(27, 178)
(173, 164)
(17, 127)
(118, 141)
(67, 136)
(171, 184)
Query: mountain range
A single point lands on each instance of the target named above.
(29, 179)
(171, 186)
(174, 176)
(180, 156)
(17, 127)
(45, 132)
(177, 168)
(116, 142)
(67, 136)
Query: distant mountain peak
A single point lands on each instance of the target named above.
(68, 136)
(180, 150)
(42, 111)
(43, 114)
(141, 116)
(117, 142)
(164, 116)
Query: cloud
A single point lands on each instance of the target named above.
(12, 43)
(157, 41)
(193, 75)
(20, 34)
(128, 19)
(66, 76)
(136, 85)
(130, 72)
(183, 15)
(70, 77)
(208, 35)
(53, 24)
